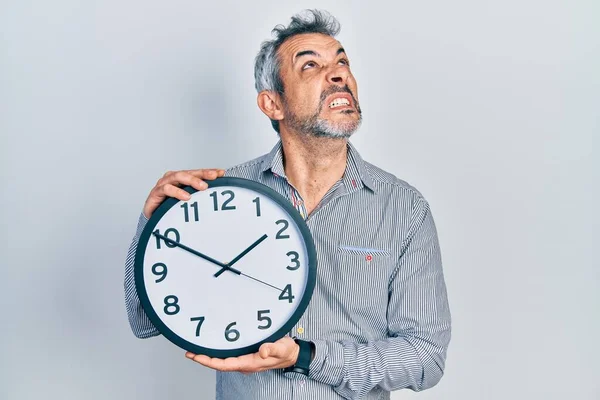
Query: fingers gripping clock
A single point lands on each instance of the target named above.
(227, 270)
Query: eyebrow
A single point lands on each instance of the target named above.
(314, 53)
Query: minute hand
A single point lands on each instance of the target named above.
(207, 258)
(242, 254)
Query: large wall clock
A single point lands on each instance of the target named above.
(227, 270)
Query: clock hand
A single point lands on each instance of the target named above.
(263, 282)
(207, 258)
(235, 271)
(242, 254)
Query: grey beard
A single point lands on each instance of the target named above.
(318, 127)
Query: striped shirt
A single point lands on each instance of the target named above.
(379, 314)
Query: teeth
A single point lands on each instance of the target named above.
(339, 102)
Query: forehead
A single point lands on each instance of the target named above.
(324, 45)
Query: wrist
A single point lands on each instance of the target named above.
(304, 355)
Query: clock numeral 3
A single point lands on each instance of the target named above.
(186, 213)
(167, 232)
(200, 321)
(280, 234)
(225, 205)
(231, 335)
(162, 272)
(262, 317)
(294, 260)
(286, 294)
(171, 302)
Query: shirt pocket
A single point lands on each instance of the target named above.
(365, 272)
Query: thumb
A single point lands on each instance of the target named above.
(265, 350)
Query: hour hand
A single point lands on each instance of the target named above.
(195, 252)
(242, 254)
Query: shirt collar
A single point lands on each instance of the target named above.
(355, 176)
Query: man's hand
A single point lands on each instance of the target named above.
(281, 354)
(169, 186)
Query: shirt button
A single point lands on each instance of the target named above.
(300, 330)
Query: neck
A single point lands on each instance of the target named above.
(313, 165)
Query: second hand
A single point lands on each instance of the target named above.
(226, 266)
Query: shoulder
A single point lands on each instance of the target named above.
(398, 191)
(386, 181)
(247, 169)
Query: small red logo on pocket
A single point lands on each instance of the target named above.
(369, 257)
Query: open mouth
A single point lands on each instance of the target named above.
(339, 102)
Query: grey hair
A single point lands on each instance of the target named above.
(267, 65)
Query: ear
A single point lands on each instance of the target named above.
(269, 103)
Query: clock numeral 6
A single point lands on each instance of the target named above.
(163, 271)
(225, 205)
(167, 233)
(294, 259)
(286, 294)
(280, 234)
(261, 317)
(186, 213)
(231, 335)
(200, 321)
(171, 302)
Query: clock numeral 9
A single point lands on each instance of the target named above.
(231, 335)
(171, 302)
(186, 213)
(162, 272)
(280, 234)
(200, 321)
(225, 205)
(294, 260)
(286, 294)
(167, 232)
(262, 317)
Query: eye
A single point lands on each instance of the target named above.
(344, 61)
(309, 64)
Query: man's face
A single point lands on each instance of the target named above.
(320, 93)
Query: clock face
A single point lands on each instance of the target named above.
(227, 270)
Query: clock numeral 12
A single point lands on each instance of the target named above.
(186, 213)
(262, 317)
(225, 205)
(167, 232)
(200, 321)
(231, 335)
(171, 302)
(287, 293)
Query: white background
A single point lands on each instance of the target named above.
(488, 108)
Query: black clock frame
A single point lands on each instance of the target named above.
(166, 206)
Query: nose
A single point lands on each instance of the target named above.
(338, 75)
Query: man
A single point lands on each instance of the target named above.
(379, 318)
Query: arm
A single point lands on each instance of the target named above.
(138, 320)
(413, 356)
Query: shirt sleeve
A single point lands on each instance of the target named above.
(140, 324)
(413, 356)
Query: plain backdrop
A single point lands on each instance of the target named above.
(488, 108)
